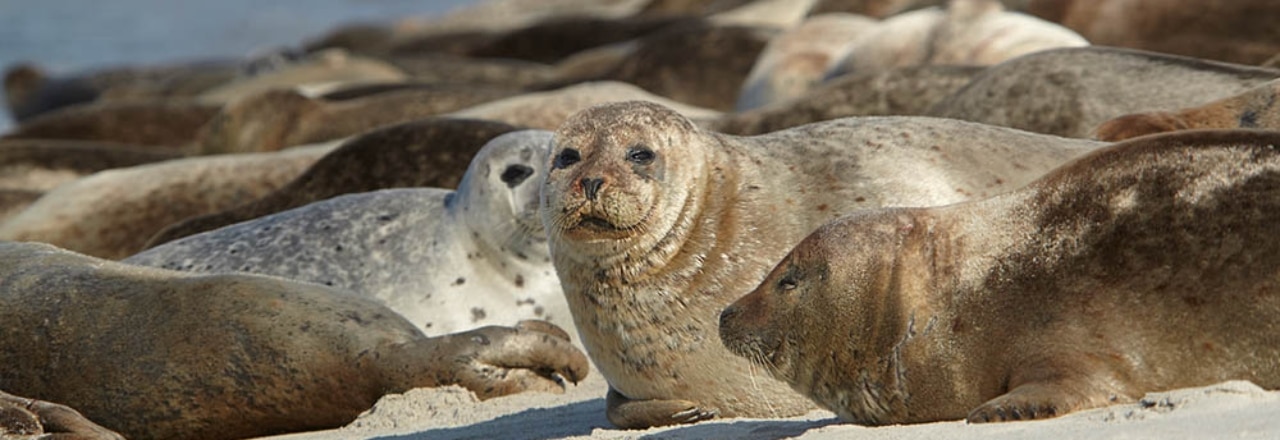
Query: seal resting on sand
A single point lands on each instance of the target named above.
(1146, 266)
(656, 225)
(153, 353)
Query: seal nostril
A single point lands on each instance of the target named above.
(591, 187)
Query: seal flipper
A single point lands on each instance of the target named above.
(638, 414)
(47, 419)
(1050, 392)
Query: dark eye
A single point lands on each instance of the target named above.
(567, 157)
(641, 154)
(516, 174)
(787, 283)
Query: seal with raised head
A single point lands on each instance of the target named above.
(430, 152)
(1254, 108)
(1146, 266)
(445, 260)
(153, 353)
(655, 226)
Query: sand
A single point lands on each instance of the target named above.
(1237, 410)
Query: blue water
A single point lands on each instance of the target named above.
(66, 36)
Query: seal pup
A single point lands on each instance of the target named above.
(431, 152)
(967, 32)
(906, 91)
(1142, 267)
(1255, 108)
(276, 119)
(1235, 31)
(797, 60)
(161, 123)
(20, 417)
(1068, 92)
(112, 213)
(656, 225)
(153, 353)
(445, 260)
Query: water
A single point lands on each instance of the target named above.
(65, 36)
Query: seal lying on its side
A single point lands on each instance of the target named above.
(656, 225)
(159, 354)
(445, 260)
(1146, 266)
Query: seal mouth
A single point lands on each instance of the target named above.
(597, 223)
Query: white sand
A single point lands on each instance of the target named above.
(1237, 410)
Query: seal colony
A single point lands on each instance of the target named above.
(653, 229)
(1146, 266)
(153, 353)
(445, 260)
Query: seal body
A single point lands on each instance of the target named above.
(1068, 92)
(1254, 108)
(430, 152)
(445, 260)
(1145, 266)
(656, 225)
(112, 213)
(152, 353)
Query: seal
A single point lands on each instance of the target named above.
(797, 60)
(151, 353)
(1240, 31)
(547, 110)
(169, 123)
(1142, 267)
(20, 416)
(967, 32)
(656, 225)
(430, 152)
(275, 119)
(1068, 101)
(698, 63)
(30, 91)
(324, 66)
(1255, 108)
(111, 214)
(39, 164)
(445, 260)
(903, 91)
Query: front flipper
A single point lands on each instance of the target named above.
(20, 416)
(638, 414)
(496, 361)
(1052, 393)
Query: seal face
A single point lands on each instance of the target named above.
(1142, 267)
(446, 260)
(655, 226)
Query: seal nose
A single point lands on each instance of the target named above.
(591, 187)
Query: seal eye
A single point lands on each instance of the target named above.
(516, 174)
(567, 157)
(640, 154)
(787, 283)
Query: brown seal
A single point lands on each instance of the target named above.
(1145, 266)
(697, 63)
(152, 353)
(1236, 31)
(111, 214)
(20, 417)
(656, 225)
(906, 91)
(30, 91)
(1053, 92)
(432, 152)
(276, 119)
(171, 123)
(1255, 108)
